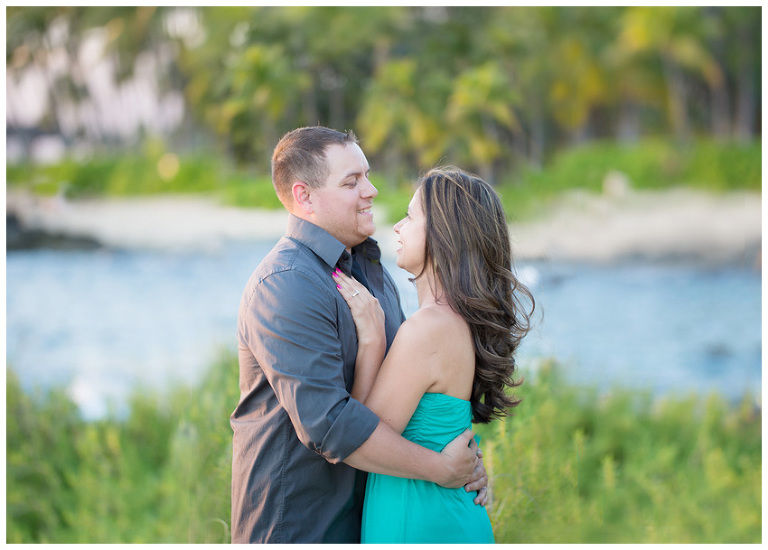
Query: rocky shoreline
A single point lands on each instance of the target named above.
(675, 225)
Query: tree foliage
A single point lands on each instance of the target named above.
(487, 88)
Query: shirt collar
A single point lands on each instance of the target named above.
(325, 245)
(368, 248)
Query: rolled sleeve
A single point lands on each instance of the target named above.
(339, 436)
(291, 329)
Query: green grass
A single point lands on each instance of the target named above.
(570, 466)
(124, 176)
(651, 164)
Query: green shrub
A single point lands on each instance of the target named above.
(572, 466)
(40, 462)
(160, 475)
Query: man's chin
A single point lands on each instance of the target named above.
(368, 229)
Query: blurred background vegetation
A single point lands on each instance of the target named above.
(537, 100)
(506, 92)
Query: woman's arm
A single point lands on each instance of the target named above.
(408, 370)
(407, 373)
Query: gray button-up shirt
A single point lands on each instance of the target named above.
(296, 421)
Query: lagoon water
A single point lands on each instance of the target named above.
(104, 323)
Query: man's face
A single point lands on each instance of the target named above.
(343, 206)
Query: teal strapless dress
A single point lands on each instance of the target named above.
(415, 511)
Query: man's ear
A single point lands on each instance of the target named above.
(302, 197)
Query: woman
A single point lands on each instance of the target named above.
(451, 361)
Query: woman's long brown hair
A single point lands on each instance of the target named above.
(469, 249)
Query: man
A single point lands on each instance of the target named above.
(301, 444)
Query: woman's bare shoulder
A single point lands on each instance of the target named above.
(435, 318)
(438, 341)
(436, 325)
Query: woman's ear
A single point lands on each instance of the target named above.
(302, 197)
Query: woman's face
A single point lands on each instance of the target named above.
(412, 237)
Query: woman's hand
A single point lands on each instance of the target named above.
(366, 311)
(371, 335)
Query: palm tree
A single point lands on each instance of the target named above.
(675, 38)
(392, 120)
(481, 105)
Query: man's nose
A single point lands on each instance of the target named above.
(368, 189)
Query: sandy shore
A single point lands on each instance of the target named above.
(677, 224)
(669, 225)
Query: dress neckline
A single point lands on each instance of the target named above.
(447, 395)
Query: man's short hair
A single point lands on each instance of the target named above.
(300, 156)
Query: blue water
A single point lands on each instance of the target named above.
(103, 323)
(666, 328)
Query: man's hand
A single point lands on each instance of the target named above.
(479, 481)
(460, 460)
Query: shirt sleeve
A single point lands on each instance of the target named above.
(291, 328)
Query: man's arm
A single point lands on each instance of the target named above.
(387, 452)
(289, 323)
